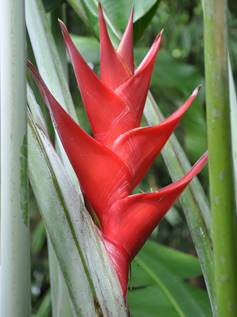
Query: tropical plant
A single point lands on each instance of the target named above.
(95, 247)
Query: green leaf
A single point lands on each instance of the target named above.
(45, 307)
(38, 238)
(149, 302)
(51, 5)
(233, 6)
(180, 264)
(50, 60)
(60, 298)
(53, 209)
(75, 239)
(163, 274)
(141, 24)
(46, 54)
(200, 297)
(50, 66)
(116, 14)
(89, 47)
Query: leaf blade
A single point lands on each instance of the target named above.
(52, 205)
(169, 283)
(83, 240)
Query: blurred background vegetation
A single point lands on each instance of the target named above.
(178, 70)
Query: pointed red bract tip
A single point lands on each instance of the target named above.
(151, 55)
(108, 114)
(89, 158)
(125, 49)
(136, 216)
(196, 90)
(139, 147)
(113, 72)
(134, 90)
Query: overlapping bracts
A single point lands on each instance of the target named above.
(111, 163)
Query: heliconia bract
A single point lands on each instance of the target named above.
(111, 164)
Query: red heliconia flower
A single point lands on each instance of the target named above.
(110, 165)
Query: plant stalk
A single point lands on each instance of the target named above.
(15, 245)
(224, 229)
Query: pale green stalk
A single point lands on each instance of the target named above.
(15, 254)
(224, 229)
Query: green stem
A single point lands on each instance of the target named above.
(224, 229)
(15, 243)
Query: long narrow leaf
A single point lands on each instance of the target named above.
(44, 308)
(68, 223)
(54, 212)
(49, 61)
(60, 298)
(61, 303)
(46, 54)
(49, 64)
